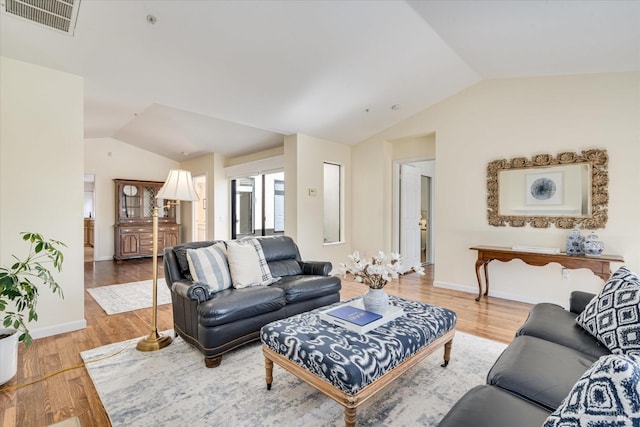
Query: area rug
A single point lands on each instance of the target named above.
(129, 296)
(69, 422)
(172, 387)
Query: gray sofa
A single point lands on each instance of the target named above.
(216, 323)
(535, 372)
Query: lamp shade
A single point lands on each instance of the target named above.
(178, 186)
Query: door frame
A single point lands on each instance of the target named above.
(395, 191)
(196, 205)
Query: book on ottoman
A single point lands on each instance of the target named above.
(354, 317)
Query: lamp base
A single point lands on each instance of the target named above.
(153, 342)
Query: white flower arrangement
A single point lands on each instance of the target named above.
(377, 271)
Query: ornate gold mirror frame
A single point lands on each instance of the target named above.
(598, 198)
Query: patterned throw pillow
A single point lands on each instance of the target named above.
(247, 264)
(608, 394)
(613, 316)
(208, 265)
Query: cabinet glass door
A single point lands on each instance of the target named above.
(130, 203)
(148, 200)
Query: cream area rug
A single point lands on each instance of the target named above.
(129, 296)
(69, 422)
(172, 387)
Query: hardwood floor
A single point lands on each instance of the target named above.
(72, 393)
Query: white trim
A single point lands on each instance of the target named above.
(58, 329)
(264, 166)
(497, 294)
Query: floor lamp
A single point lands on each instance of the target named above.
(178, 187)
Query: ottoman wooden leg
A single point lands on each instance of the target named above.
(447, 353)
(349, 417)
(268, 366)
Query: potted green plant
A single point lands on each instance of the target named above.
(19, 290)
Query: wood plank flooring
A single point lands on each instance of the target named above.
(72, 393)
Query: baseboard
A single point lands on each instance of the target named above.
(497, 294)
(103, 258)
(58, 329)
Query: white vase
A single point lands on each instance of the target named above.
(592, 246)
(8, 355)
(376, 301)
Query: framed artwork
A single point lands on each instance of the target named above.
(544, 188)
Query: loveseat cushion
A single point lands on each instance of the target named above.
(539, 370)
(608, 394)
(553, 323)
(285, 267)
(613, 316)
(231, 305)
(279, 247)
(302, 287)
(488, 406)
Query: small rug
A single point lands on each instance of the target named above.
(129, 296)
(69, 422)
(172, 387)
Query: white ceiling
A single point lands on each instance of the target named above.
(233, 77)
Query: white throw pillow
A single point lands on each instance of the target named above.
(208, 265)
(244, 265)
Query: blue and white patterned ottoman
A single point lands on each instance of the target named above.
(347, 366)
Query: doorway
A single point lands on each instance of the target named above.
(413, 211)
(199, 209)
(89, 216)
(257, 205)
(425, 220)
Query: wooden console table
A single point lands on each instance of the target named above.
(599, 265)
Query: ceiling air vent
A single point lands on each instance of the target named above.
(59, 15)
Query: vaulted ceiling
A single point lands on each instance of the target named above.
(233, 77)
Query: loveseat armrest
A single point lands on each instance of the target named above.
(316, 268)
(191, 290)
(579, 300)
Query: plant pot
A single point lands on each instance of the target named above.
(376, 301)
(8, 355)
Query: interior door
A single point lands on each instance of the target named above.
(409, 216)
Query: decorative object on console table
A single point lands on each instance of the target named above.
(178, 187)
(592, 246)
(376, 272)
(575, 240)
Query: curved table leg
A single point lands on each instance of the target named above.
(486, 278)
(481, 263)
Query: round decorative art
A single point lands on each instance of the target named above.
(543, 189)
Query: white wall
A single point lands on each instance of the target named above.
(211, 166)
(304, 170)
(108, 159)
(507, 118)
(42, 180)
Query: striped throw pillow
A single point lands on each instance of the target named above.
(208, 265)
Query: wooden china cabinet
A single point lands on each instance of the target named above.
(135, 201)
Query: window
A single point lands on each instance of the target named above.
(257, 205)
(332, 206)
